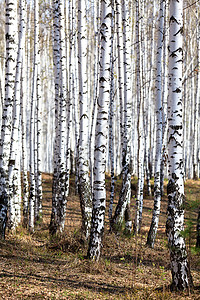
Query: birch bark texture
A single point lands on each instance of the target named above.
(111, 122)
(33, 150)
(159, 122)
(83, 155)
(59, 188)
(63, 184)
(125, 193)
(14, 161)
(101, 134)
(56, 60)
(181, 277)
(140, 127)
(10, 69)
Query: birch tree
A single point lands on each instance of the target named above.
(140, 133)
(159, 135)
(197, 97)
(101, 134)
(38, 126)
(63, 186)
(33, 201)
(181, 277)
(111, 122)
(83, 158)
(56, 59)
(14, 164)
(10, 69)
(60, 187)
(125, 194)
(25, 184)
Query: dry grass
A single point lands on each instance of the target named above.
(36, 267)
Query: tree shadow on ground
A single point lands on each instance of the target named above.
(67, 282)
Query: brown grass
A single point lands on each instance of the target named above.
(36, 267)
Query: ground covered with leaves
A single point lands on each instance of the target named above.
(34, 266)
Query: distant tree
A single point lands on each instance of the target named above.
(14, 165)
(125, 193)
(159, 135)
(38, 125)
(35, 130)
(140, 129)
(84, 187)
(197, 98)
(25, 184)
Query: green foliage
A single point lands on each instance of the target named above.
(162, 273)
(81, 256)
(195, 251)
(107, 262)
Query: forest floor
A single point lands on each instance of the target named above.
(33, 266)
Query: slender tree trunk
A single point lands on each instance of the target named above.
(60, 181)
(56, 59)
(197, 99)
(96, 88)
(38, 117)
(181, 277)
(25, 184)
(111, 122)
(83, 158)
(164, 99)
(63, 184)
(10, 67)
(157, 182)
(101, 135)
(33, 156)
(140, 130)
(125, 194)
(14, 165)
(120, 65)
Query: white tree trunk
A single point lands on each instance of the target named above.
(111, 122)
(101, 134)
(181, 278)
(39, 118)
(159, 135)
(120, 66)
(197, 100)
(14, 165)
(56, 59)
(59, 181)
(140, 130)
(33, 204)
(83, 155)
(62, 201)
(25, 184)
(11, 50)
(125, 194)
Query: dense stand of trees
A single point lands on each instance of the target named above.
(90, 87)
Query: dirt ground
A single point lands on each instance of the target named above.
(33, 266)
